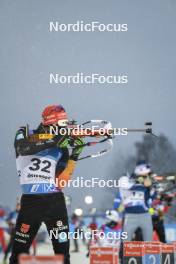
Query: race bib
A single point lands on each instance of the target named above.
(134, 197)
(37, 172)
(35, 169)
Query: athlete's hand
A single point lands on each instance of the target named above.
(121, 208)
(62, 141)
(79, 145)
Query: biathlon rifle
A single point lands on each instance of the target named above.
(102, 132)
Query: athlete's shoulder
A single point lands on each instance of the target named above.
(20, 136)
(22, 133)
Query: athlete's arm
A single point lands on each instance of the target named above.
(152, 193)
(24, 146)
(62, 163)
(63, 177)
(118, 203)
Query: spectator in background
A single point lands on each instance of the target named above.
(2, 237)
(11, 220)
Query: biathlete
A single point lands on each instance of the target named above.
(136, 198)
(40, 164)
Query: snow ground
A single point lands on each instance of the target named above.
(46, 249)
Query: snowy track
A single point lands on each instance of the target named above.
(46, 249)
